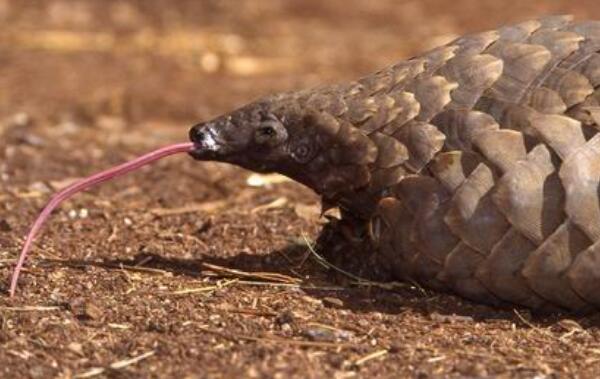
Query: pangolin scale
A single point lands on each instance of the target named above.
(474, 167)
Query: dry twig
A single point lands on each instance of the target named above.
(32, 308)
(115, 365)
(187, 291)
(270, 276)
(118, 266)
(371, 356)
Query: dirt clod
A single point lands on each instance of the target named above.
(285, 317)
(5, 226)
(85, 310)
(471, 369)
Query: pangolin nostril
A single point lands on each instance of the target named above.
(196, 135)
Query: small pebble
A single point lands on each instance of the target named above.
(38, 371)
(75, 347)
(449, 318)
(321, 334)
(39, 187)
(20, 119)
(333, 302)
(210, 62)
(32, 140)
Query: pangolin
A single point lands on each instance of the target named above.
(473, 168)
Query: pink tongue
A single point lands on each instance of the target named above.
(85, 184)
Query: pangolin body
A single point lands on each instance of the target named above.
(475, 166)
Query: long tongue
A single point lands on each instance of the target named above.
(84, 184)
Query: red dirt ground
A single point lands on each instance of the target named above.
(134, 279)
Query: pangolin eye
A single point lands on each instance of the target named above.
(266, 130)
(270, 132)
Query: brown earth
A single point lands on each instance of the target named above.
(134, 279)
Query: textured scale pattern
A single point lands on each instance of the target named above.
(477, 164)
(473, 168)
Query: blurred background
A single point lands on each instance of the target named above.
(93, 77)
(180, 61)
